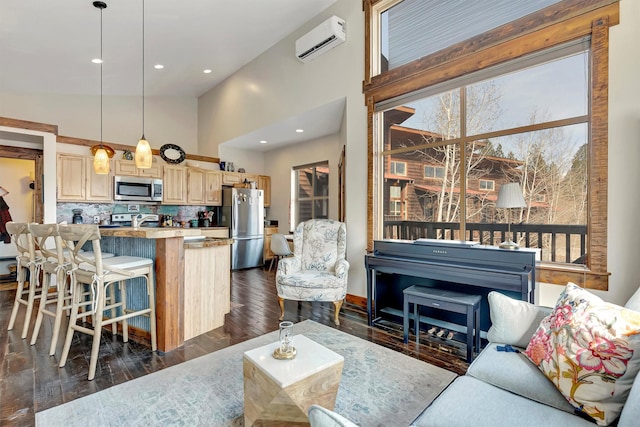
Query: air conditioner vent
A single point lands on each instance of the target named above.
(322, 38)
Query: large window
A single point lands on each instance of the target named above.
(523, 102)
(412, 29)
(527, 123)
(311, 192)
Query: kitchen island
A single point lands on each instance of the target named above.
(167, 247)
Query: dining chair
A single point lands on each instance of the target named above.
(279, 247)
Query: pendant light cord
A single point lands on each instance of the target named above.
(143, 69)
(101, 62)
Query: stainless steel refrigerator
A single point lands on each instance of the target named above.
(243, 213)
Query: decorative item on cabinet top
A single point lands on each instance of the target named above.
(172, 154)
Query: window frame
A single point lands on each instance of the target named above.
(435, 169)
(493, 184)
(396, 200)
(295, 187)
(392, 167)
(555, 25)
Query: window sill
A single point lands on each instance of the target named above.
(561, 274)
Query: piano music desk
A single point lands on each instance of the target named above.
(443, 299)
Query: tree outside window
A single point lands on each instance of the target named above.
(496, 131)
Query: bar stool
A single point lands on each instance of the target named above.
(55, 263)
(27, 260)
(101, 276)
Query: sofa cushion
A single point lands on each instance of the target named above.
(513, 321)
(471, 402)
(590, 350)
(631, 412)
(323, 417)
(515, 373)
(634, 301)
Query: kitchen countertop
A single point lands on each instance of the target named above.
(206, 243)
(149, 232)
(213, 227)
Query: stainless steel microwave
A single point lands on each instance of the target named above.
(134, 188)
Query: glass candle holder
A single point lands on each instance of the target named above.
(285, 350)
(286, 328)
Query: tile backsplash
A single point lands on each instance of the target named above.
(104, 211)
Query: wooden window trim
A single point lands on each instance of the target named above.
(551, 26)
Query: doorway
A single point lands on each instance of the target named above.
(21, 191)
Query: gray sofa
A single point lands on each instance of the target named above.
(503, 388)
(506, 389)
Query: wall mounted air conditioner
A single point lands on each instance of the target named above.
(322, 38)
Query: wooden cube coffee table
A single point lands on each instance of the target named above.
(279, 392)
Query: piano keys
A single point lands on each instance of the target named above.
(460, 266)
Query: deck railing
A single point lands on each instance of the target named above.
(558, 242)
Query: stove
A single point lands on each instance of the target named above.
(125, 219)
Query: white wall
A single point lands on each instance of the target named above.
(168, 120)
(624, 155)
(276, 86)
(278, 165)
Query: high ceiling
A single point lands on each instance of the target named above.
(47, 46)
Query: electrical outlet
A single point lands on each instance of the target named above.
(96, 219)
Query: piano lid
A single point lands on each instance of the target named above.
(443, 242)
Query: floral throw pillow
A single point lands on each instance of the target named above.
(590, 350)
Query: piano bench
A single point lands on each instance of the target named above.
(442, 299)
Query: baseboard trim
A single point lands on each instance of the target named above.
(357, 300)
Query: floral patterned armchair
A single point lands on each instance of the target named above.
(318, 269)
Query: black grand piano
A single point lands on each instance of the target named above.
(456, 265)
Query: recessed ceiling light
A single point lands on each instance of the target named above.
(96, 61)
(263, 142)
(158, 66)
(299, 130)
(207, 71)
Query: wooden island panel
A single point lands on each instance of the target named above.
(170, 272)
(170, 293)
(206, 301)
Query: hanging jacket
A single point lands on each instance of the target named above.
(5, 217)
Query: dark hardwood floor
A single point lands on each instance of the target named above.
(30, 380)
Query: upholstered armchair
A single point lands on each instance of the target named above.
(318, 269)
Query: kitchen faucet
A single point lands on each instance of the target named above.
(137, 220)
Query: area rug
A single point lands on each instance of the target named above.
(379, 387)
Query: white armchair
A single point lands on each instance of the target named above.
(318, 269)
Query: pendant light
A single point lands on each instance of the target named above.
(101, 156)
(143, 150)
